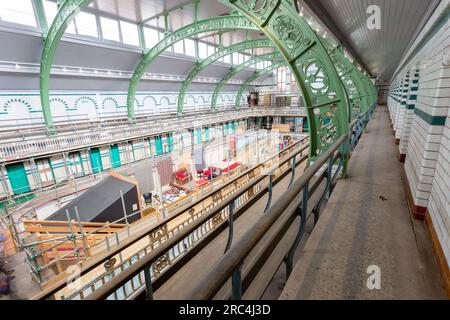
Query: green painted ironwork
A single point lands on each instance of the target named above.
(366, 85)
(242, 46)
(169, 11)
(142, 37)
(322, 91)
(235, 70)
(230, 22)
(351, 80)
(255, 76)
(326, 97)
(66, 13)
(40, 13)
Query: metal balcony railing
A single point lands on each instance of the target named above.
(30, 146)
(197, 227)
(289, 207)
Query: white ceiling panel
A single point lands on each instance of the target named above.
(380, 50)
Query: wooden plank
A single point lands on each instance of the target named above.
(9, 246)
(65, 223)
(67, 230)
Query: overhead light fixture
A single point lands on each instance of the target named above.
(17, 66)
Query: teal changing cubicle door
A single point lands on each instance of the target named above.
(96, 160)
(170, 142)
(207, 134)
(199, 136)
(115, 156)
(18, 178)
(159, 145)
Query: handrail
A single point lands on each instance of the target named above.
(75, 140)
(229, 264)
(144, 116)
(125, 276)
(225, 267)
(233, 258)
(96, 261)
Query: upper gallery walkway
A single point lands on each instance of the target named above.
(22, 142)
(366, 224)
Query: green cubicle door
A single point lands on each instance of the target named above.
(169, 142)
(96, 160)
(305, 125)
(233, 128)
(199, 136)
(159, 145)
(18, 178)
(115, 156)
(207, 134)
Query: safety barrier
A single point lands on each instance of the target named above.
(286, 209)
(247, 186)
(29, 147)
(290, 206)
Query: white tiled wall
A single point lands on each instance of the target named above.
(25, 107)
(402, 107)
(405, 130)
(439, 206)
(426, 143)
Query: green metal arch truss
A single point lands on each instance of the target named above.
(370, 88)
(322, 90)
(351, 81)
(255, 76)
(231, 22)
(200, 66)
(66, 13)
(235, 70)
(364, 81)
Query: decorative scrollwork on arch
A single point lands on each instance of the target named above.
(328, 129)
(288, 32)
(316, 77)
(262, 9)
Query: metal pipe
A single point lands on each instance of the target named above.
(230, 226)
(270, 189)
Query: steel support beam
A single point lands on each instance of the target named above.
(66, 13)
(322, 90)
(199, 67)
(351, 80)
(168, 11)
(255, 76)
(230, 22)
(40, 13)
(235, 70)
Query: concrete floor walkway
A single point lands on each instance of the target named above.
(367, 223)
